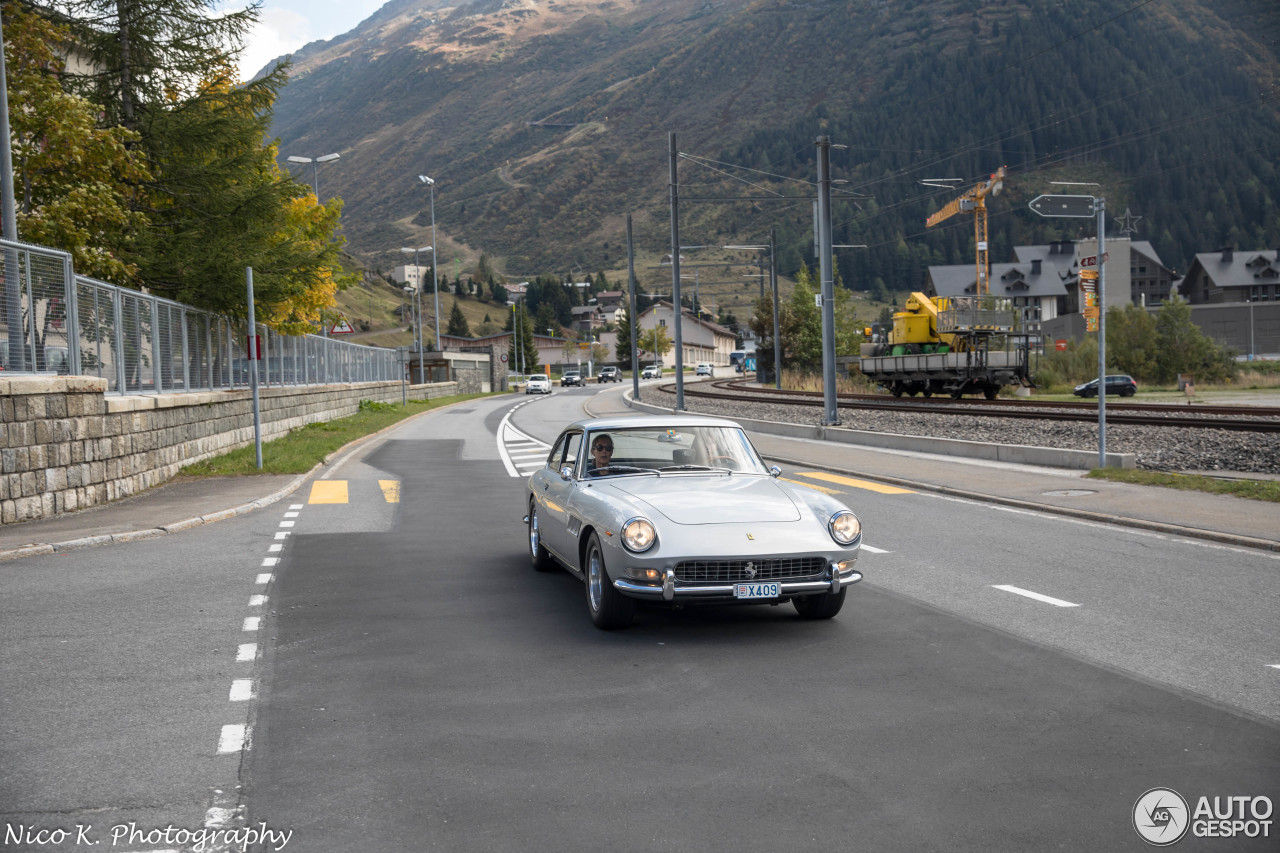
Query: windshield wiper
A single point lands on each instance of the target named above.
(694, 468)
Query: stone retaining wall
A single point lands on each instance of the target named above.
(66, 445)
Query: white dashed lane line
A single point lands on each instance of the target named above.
(235, 738)
(1056, 602)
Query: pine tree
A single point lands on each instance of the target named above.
(458, 325)
(622, 350)
(152, 54)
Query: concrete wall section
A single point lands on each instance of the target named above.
(65, 445)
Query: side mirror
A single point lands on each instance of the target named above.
(775, 471)
(566, 473)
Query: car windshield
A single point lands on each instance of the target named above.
(671, 450)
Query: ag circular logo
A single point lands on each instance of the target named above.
(1161, 816)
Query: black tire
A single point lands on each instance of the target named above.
(539, 557)
(1128, 392)
(609, 609)
(821, 606)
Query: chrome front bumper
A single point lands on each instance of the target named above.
(670, 590)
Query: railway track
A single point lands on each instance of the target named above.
(1246, 418)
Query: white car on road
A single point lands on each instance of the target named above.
(538, 384)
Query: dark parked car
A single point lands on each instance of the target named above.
(609, 374)
(571, 377)
(1118, 383)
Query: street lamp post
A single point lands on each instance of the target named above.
(435, 285)
(417, 274)
(773, 282)
(417, 333)
(315, 169)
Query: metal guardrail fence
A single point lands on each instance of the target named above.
(55, 322)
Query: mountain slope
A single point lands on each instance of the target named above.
(544, 123)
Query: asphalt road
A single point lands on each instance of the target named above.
(427, 690)
(405, 681)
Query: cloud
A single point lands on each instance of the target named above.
(279, 32)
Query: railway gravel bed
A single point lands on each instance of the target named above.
(1155, 448)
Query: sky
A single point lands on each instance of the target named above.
(286, 25)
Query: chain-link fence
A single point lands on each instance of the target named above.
(55, 322)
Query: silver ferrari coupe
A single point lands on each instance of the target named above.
(682, 510)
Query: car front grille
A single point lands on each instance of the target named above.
(732, 571)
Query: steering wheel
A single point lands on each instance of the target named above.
(732, 466)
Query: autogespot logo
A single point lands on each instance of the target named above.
(1160, 816)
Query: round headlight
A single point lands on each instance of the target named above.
(638, 535)
(844, 527)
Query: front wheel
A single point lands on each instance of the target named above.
(539, 556)
(609, 608)
(822, 606)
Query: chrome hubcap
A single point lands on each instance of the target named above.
(533, 532)
(595, 580)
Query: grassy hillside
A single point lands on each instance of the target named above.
(545, 124)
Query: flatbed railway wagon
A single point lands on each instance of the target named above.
(949, 346)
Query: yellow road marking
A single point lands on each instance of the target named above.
(812, 486)
(857, 484)
(390, 490)
(328, 492)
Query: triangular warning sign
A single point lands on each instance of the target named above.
(342, 327)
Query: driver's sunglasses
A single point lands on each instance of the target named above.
(603, 448)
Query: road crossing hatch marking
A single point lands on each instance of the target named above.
(328, 492)
(390, 490)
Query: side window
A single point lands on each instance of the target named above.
(557, 453)
(573, 449)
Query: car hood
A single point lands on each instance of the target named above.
(711, 499)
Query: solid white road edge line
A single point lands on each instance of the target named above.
(503, 428)
(1056, 602)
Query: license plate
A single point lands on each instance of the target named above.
(757, 590)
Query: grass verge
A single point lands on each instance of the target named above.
(1257, 490)
(300, 450)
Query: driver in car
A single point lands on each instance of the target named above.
(601, 454)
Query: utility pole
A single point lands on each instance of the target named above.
(830, 416)
(631, 317)
(675, 271)
(9, 222)
(253, 372)
(1100, 205)
(773, 282)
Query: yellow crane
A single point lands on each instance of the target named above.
(975, 201)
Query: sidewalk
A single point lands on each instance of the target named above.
(174, 506)
(1220, 518)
